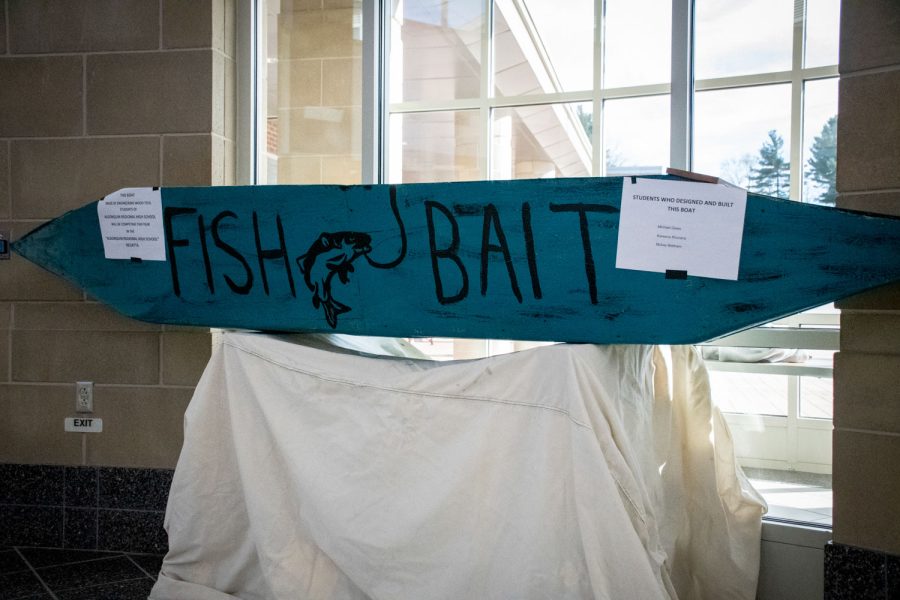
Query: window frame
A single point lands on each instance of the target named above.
(798, 331)
(681, 89)
(377, 110)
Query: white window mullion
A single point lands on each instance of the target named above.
(650, 89)
(375, 39)
(826, 72)
(598, 158)
(487, 91)
(250, 67)
(793, 422)
(742, 81)
(682, 95)
(797, 100)
(774, 77)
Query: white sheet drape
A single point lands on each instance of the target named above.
(569, 471)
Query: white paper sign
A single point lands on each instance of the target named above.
(681, 226)
(131, 224)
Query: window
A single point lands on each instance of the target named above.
(780, 412)
(452, 90)
(310, 100)
(775, 64)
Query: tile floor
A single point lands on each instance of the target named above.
(30, 573)
(54, 574)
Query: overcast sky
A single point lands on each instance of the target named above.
(733, 38)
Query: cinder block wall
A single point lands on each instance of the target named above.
(867, 369)
(96, 95)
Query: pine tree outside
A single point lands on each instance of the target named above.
(772, 173)
(821, 171)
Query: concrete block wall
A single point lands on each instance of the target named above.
(866, 383)
(96, 95)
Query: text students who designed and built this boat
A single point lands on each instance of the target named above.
(528, 259)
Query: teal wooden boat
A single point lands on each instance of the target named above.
(530, 260)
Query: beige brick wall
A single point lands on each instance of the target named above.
(866, 381)
(98, 95)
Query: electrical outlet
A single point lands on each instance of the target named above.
(84, 396)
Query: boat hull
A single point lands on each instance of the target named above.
(529, 260)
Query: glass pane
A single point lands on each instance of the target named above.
(743, 135)
(637, 43)
(820, 105)
(313, 99)
(434, 146)
(434, 348)
(543, 46)
(436, 49)
(795, 495)
(816, 398)
(548, 140)
(740, 38)
(749, 393)
(823, 18)
(636, 135)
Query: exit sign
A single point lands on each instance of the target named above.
(84, 425)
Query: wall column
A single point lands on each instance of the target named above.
(96, 96)
(864, 561)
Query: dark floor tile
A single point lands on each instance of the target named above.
(81, 486)
(132, 531)
(136, 489)
(31, 526)
(20, 585)
(31, 484)
(893, 577)
(40, 558)
(11, 562)
(80, 529)
(853, 573)
(136, 589)
(151, 564)
(90, 573)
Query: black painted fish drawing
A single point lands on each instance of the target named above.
(332, 254)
